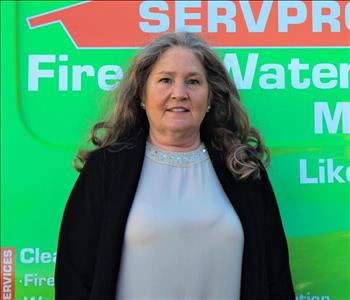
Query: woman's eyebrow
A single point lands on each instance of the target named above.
(174, 73)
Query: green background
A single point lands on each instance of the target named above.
(42, 131)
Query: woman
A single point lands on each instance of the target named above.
(174, 202)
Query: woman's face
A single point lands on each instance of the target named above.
(176, 93)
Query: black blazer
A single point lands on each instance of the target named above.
(94, 222)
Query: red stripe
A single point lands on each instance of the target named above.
(102, 24)
(7, 286)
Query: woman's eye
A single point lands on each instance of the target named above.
(164, 80)
(193, 81)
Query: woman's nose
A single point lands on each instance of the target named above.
(179, 91)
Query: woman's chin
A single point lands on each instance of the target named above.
(181, 128)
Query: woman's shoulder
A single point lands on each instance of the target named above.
(109, 158)
(101, 159)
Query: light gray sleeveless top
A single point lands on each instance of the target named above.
(183, 238)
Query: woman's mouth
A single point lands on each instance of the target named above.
(178, 109)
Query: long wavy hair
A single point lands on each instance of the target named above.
(226, 126)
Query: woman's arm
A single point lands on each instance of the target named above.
(79, 233)
(277, 259)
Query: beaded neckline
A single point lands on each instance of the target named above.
(176, 159)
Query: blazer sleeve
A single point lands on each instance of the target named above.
(277, 258)
(79, 233)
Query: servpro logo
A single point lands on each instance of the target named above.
(127, 24)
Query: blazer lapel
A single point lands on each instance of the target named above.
(243, 196)
(123, 187)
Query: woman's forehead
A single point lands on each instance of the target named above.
(178, 59)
